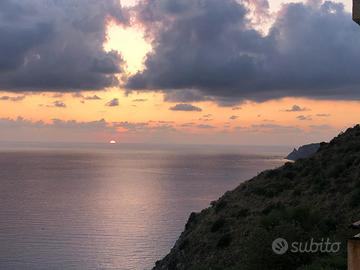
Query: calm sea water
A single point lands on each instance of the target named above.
(119, 207)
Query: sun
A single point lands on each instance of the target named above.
(112, 142)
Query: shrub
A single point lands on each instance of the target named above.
(184, 244)
(192, 220)
(244, 212)
(272, 173)
(337, 170)
(224, 241)
(218, 224)
(297, 192)
(220, 205)
(355, 199)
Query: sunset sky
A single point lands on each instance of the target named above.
(178, 71)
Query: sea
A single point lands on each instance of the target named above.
(102, 206)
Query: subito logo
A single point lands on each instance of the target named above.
(280, 246)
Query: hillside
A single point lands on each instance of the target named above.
(317, 197)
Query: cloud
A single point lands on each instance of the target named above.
(323, 115)
(94, 97)
(202, 126)
(13, 99)
(186, 108)
(233, 117)
(113, 103)
(185, 96)
(55, 104)
(225, 59)
(134, 127)
(304, 117)
(274, 128)
(60, 95)
(49, 45)
(188, 125)
(58, 130)
(296, 108)
(206, 118)
(321, 127)
(144, 129)
(21, 129)
(140, 100)
(59, 104)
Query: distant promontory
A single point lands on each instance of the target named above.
(304, 151)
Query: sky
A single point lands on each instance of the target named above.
(246, 72)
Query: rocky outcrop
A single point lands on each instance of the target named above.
(304, 151)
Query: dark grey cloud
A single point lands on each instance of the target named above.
(209, 47)
(296, 108)
(12, 98)
(206, 118)
(185, 96)
(186, 108)
(304, 117)
(55, 104)
(91, 125)
(50, 45)
(202, 126)
(59, 104)
(130, 126)
(113, 103)
(146, 127)
(94, 97)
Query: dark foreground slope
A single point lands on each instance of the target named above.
(318, 197)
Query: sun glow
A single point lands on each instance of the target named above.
(130, 42)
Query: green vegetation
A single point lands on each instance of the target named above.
(316, 197)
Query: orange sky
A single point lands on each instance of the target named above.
(248, 123)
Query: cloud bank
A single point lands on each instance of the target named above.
(203, 50)
(311, 50)
(50, 45)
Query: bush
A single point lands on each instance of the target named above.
(184, 244)
(337, 170)
(218, 224)
(272, 173)
(192, 220)
(355, 199)
(220, 205)
(224, 241)
(244, 212)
